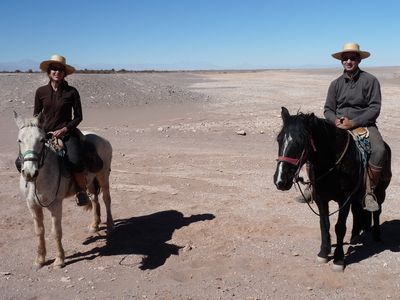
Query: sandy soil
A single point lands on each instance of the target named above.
(197, 213)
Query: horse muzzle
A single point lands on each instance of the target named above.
(283, 177)
(30, 175)
(283, 185)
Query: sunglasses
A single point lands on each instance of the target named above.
(57, 68)
(351, 57)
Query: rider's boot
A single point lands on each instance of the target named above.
(373, 177)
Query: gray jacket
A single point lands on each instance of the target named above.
(357, 98)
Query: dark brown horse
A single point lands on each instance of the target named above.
(336, 172)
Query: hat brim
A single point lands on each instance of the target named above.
(363, 54)
(44, 65)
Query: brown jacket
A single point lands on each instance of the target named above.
(60, 108)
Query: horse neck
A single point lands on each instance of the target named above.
(329, 141)
(50, 170)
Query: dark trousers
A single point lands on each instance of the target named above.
(74, 151)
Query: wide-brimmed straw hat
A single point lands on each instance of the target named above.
(351, 47)
(57, 59)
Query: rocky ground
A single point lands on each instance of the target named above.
(197, 214)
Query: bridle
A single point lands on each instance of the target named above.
(298, 162)
(34, 156)
(40, 158)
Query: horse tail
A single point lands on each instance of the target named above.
(96, 186)
(387, 170)
(95, 189)
(88, 206)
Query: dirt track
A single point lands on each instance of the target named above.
(197, 214)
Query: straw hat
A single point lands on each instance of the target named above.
(351, 47)
(57, 59)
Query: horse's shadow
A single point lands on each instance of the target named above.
(144, 235)
(390, 240)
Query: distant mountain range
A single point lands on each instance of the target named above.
(22, 65)
(28, 64)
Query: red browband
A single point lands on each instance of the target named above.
(296, 161)
(293, 161)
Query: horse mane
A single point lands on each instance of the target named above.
(31, 122)
(311, 124)
(318, 126)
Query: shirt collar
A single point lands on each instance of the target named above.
(353, 77)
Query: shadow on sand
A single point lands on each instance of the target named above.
(368, 247)
(145, 235)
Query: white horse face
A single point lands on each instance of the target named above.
(31, 139)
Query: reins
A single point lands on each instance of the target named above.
(58, 187)
(297, 179)
(339, 159)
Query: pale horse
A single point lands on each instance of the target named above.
(44, 184)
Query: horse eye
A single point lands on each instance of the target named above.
(19, 141)
(42, 140)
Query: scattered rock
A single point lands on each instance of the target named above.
(65, 279)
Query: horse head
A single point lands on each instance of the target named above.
(31, 141)
(294, 142)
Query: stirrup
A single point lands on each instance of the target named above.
(81, 198)
(370, 202)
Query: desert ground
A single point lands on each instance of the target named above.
(196, 212)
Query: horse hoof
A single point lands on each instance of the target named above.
(321, 260)
(58, 264)
(110, 229)
(57, 267)
(93, 229)
(337, 267)
(354, 240)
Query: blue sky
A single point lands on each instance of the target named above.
(196, 34)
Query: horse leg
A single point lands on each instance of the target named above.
(357, 212)
(56, 229)
(324, 224)
(376, 228)
(103, 179)
(94, 225)
(37, 214)
(340, 230)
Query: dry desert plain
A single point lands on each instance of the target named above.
(197, 214)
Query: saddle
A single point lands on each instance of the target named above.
(91, 158)
(361, 138)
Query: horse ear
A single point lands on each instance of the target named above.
(311, 119)
(40, 118)
(18, 120)
(285, 114)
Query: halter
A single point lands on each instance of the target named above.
(36, 157)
